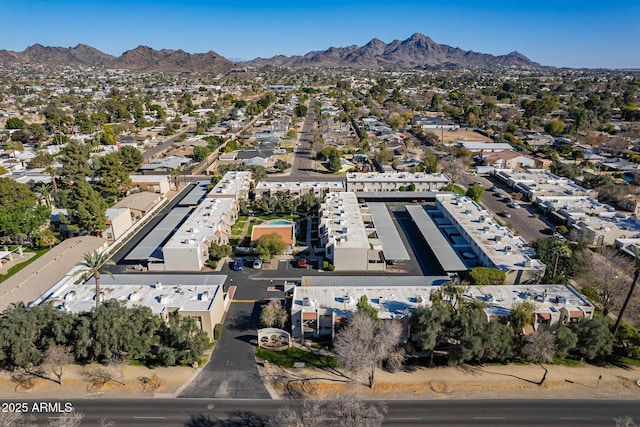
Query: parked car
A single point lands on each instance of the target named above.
(507, 200)
(237, 266)
(257, 264)
(506, 214)
(514, 205)
(302, 262)
(493, 188)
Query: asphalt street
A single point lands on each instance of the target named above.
(302, 166)
(250, 412)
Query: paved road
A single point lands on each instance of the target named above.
(303, 167)
(521, 221)
(216, 412)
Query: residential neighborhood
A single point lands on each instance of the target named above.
(464, 216)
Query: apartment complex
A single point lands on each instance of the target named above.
(320, 310)
(534, 183)
(234, 184)
(472, 230)
(371, 181)
(297, 189)
(210, 222)
(198, 296)
(342, 232)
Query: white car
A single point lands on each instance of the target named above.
(514, 205)
(257, 264)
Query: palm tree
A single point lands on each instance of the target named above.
(636, 278)
(94, 263)
(44, 190)
(52, 173)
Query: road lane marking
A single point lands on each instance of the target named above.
(573, 418)
(489, 418)
(244, 300)
(149, 418)
(405, 418)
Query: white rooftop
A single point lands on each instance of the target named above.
(231, 184)
(397, 177)
(505, 250)
(341, 215)
(399, 301)
(276, 186)
(203, 223)
(390, 301)
(159, 292)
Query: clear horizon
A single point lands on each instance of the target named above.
(562, 34)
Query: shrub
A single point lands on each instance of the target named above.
(217, 329)
(213, 264)
(330, 267)
(325, 264)
(485, 276)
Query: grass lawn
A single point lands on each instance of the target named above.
(13, 270)
(567, 362)
(288, 357)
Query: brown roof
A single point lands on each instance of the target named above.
(576, 313)
(142, 201)
(545, 316)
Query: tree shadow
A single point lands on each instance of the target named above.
(238, 419)
(542, 380)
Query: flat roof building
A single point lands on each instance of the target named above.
(234, 184)
(591, 221)
(464, 222)
(342, 232)
(198, 296)
(534, 183)
(210, 222)
(372, 181)
(319, 310)
(297, 189)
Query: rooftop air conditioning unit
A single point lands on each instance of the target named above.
(561, 300)
(507, 249)
(306, 301)
(204, 296)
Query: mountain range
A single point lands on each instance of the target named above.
(416, 51)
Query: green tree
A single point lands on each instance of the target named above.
(107, 136)
(95, 264)
(335, 165)
(384, 156)
(595, 340)
(185, 339)
(200, 153)
(270, 245)
(15, 123)
(363, 306)
(523, 314)
(131, 158)
(281, 165)
(113, 179)
(75, 162)
(430, 161)
(566, 340)
(87, 208)
(475, 192)
(485, 276)
(429, 324)
(554, 127)
(20, 213)
(217, 252)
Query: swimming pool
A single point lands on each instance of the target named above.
(280, 222)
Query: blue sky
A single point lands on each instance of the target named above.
(569, 33)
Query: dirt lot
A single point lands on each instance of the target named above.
(452, 137)
(466, 382)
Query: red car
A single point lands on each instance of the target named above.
(302, 262)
